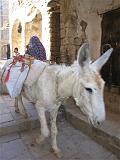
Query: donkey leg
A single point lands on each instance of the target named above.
(53, 116)
(22, 108)
(44, 128)
(16, 105)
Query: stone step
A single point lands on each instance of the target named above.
(18, 126)
(11, 122)
(108, 135)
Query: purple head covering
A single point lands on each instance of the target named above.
(36, 49)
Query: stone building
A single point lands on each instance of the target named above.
(63, 25)
(4, 27)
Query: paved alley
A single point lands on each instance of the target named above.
(74, 144)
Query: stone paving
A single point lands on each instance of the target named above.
(108, 134)
(2, 62)
(20, 145)
(74, 144)
(11, 121)
(7, 110)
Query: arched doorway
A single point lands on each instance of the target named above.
(16, 36)
(34, 28)
(111, 35)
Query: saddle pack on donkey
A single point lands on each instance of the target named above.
(16, 73)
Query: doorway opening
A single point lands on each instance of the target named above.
(111, 35)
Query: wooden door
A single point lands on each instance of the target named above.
(111, 35)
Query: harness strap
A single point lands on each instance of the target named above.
(8, 74)
(16, 59)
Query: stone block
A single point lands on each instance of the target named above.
(6, 118)
(13, 149)
(112, 100)
(9, 137)
(4, 108)
(62, 50)
(62, 33)
(24, 156)
(70, 32)
(32, 113)
(62, 26)
(107, 135)
(29, 105)
(77, 41)
(16, 116)
(67, 41)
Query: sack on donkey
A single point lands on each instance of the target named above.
(14, 77)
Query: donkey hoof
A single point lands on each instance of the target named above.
(58, 153)
(39, 139)
(17, 110)
(24, 115)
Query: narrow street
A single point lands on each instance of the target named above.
(21, 145)
(74, 144)
(64, 56)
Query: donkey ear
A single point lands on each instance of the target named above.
(83, 55)
(98, 64)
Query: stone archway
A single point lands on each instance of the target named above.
(33, 28)
(111, 35)
(16, 36)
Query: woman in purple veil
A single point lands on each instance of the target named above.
(36, 49)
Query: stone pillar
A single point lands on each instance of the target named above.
(55, 36)
(94, 34)
(10, 39)
(23, 38)
(62, 38)
(46, 32)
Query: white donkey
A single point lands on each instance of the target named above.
(82, 80)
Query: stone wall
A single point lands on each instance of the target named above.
(16, 37)
(80, 21)
(72, 13)
(34, 19)
(72, 31)
(31, 28)
(112, 99)
(34, 28)
(55, 35)
(4, 30)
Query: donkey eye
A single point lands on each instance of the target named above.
(89, 90)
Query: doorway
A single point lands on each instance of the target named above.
(111, 35)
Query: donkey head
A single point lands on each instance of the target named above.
(88, 90)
